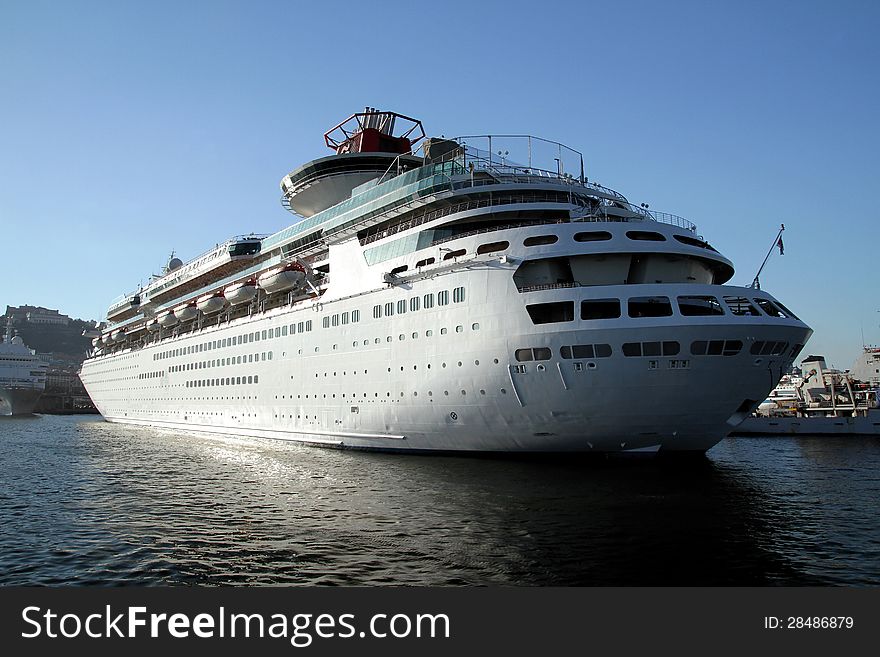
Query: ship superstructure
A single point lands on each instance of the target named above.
(22, 375)
(483, 295)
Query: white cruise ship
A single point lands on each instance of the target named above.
(22, 376)
(477, 294)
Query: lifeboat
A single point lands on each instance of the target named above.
(118, 335)
(97, 342)
(239, 293)
(167, 319)
(287, 277)
(187, 312)
(211, 303)
(153, 325)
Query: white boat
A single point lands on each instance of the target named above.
(211, 303)
(463, 301)
(288, 277)
(824, 401)
(239, 293)
(187, 312)
(22, 375)
(153, 325)
(167, 319)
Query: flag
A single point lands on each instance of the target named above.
(780, 245)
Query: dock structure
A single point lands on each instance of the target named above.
(64, 394)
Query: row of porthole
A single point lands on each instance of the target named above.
(222, 362)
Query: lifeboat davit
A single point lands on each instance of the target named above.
(153, 325)
(239, 293)
(287, 277)
(167, 319)
(187, 312)
(211, 303)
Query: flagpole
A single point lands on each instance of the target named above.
(756, 285)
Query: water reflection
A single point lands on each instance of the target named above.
(89, 502)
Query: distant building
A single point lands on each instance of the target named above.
(37, 315)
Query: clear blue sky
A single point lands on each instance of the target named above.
(128, 129)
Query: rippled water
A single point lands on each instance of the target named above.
(87, 502)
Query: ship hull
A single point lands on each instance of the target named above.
(862, 425)
(18, 401)
(448, 379)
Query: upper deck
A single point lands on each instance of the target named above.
(372, 194)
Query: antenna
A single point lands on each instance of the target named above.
(777, 241)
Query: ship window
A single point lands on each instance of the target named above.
(263, 334)
(699, 306)
(539, 240)
(250, 379)
(377, 312)
(692, 241)
(786, 310)
(355, 316)
(795, 350)
(443, 298)
(583, 351)
(414, 304)
(649, 307)
(399, 270)
(600, 309)
(492, 247)
(270, 355)
(732, 347)
(425, 262)
(308, 325)
(650, 349)
(769, 307)
(256, 378)
(458, 295)
(345, 318)
(335, 320)
(549, 313)
(454, 254)
(401, 306)
(325, 322)
(389, 309)
(719, 347)
(284, 330)
(645, 236)
(740, 306)
(538, 353)
(671, 348)
(592, 236)
(632, 349)
(714, 347)
(429, 301)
